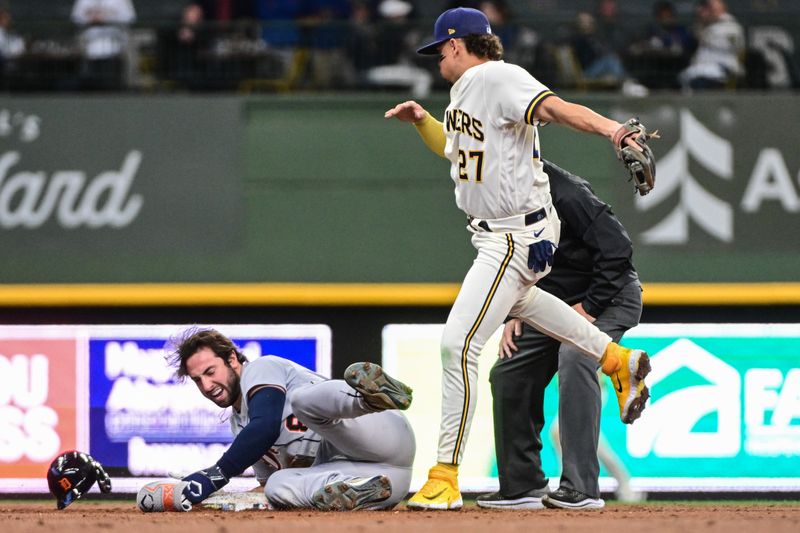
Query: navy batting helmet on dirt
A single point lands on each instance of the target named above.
(73, 473)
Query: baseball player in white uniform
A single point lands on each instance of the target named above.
(490, 137)
(313, 442)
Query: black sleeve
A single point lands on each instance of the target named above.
(265, 407)
(612, 251)
(600, 233)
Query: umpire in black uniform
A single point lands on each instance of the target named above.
(593, 272)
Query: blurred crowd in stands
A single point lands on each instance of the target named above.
(283, 45)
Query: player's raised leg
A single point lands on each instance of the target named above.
(345, 420)
(379, 390)
(378, 447)
(627, 368)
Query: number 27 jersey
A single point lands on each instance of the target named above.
(493, 142)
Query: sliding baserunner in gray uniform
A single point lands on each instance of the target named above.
(313, 442)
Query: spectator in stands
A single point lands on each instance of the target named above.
(609, 30)
(281, 27)
(598, 58)
(362, 47)
(326, 21)
(11, 44)
(396, 42)
(720, 51)
(226, 11)
(11, 47)
(103, 40)
(183, 49)
(279, 18)
(663, 51)
(519, 42)
(666, 33)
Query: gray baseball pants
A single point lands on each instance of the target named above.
(356, 443)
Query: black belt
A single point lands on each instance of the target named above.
(530, 218)
(536, 216)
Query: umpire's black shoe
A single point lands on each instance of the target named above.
(564, 498)
(380, 391)
(527, 500)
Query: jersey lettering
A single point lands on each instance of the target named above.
(294, 425)
(458, 120)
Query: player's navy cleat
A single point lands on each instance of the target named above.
(380, 391)
(627, 369)
(358, 493)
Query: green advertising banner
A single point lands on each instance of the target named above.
(726, 206)
(113, 189)
(324, 190)
(724, 412)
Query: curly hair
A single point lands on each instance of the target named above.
(188, 343)
(484, 45)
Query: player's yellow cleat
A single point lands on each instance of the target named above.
(440, 492)
(627, 369)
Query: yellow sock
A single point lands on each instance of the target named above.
(610, 363)
(449, 468)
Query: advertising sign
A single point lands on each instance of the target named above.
(115, 184)
(144, 420)
(39, 414)
(720, 194)
(724, 412)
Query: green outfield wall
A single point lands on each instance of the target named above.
(324, 190)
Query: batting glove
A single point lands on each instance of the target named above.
(540, 255)
(203, 483)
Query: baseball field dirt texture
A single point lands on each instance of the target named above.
(651, 517)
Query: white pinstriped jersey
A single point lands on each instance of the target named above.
(296, 444)
(493, 143)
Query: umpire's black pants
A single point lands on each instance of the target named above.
(518, 395)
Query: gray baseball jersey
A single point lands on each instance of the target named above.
(296, 444)
(328, 434)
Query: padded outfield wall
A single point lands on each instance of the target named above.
(324, 190)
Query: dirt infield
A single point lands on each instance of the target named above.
(92, 516)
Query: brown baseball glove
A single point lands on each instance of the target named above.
(641, 164)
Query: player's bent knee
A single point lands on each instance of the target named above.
(301, 400)
(280, 491)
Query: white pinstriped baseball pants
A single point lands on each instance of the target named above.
(500, 284)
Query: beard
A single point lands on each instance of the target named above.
(232, 389)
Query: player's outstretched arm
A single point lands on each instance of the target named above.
(576, 116)
(265, 404)
(430, 129)
(581, 118)
(409, 111)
